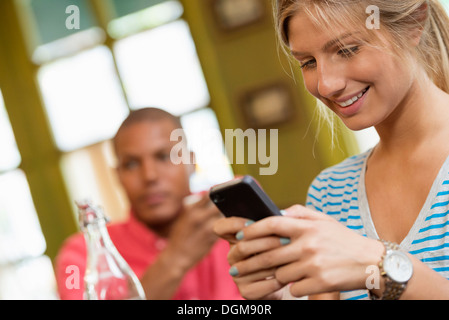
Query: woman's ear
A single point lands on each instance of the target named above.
(420, 15)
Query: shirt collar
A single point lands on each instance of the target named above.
(145, 234)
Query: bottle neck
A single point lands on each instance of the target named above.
(97, 236)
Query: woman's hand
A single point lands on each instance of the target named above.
(255, 285)
(227, 228)
(312, 251)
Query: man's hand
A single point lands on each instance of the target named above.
(192, 235)
(190, 240)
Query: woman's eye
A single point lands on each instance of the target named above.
(348, 52)
(308, 64)
(344, 52)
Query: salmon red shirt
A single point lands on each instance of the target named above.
(140, 247)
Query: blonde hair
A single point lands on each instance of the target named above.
(399, 18)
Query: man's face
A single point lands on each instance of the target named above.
(154, 185)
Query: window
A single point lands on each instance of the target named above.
(10, 154)
(49, 14)
(204, 138)
(141, 55)
(160, 68)
(22, 244)
(21, 234)
(83, 99)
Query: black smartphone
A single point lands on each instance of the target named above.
(243, 197)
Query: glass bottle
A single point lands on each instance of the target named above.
(107, 276)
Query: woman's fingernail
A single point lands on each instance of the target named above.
(239, 235)
(285, 241)
(249, 222)
(233, 271)
(283, 212)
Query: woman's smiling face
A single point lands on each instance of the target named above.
(362, 84)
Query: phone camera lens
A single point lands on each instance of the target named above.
(217, 199)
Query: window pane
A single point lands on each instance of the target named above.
(20, 233)
(122, 8)
(10, 157)
(31, 279)
(83, 98)
(51, 16)
(151, 17)
(205, 140)
(160, 68)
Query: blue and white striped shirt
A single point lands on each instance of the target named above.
(339, 191)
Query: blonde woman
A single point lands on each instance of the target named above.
(377, 225)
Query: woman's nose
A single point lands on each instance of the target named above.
(331, 81)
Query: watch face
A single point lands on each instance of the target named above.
(398, 266)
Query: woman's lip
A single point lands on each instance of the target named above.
(344, 99)
(354, 108)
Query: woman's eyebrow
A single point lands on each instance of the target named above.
(331, 43)
(328, 45)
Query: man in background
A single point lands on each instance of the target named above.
(168, 239)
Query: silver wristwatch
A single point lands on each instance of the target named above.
(397, 269)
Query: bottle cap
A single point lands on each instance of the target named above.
(89, 214)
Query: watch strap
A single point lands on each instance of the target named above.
(393, 290)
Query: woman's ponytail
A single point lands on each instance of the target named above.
(438, 40)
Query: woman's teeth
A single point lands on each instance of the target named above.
(352, 100)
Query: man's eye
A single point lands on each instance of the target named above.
(131, 164)
(163, 156)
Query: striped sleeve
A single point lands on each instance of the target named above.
(431, 243)
(334, 191)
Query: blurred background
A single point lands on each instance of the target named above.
(72, 70)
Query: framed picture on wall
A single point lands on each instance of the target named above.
(268, 106)
(233, 14)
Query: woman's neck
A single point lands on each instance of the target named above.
(422, 116)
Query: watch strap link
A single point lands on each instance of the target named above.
(393, 290)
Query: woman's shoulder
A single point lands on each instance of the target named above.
(338, 181)
(350, 167)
